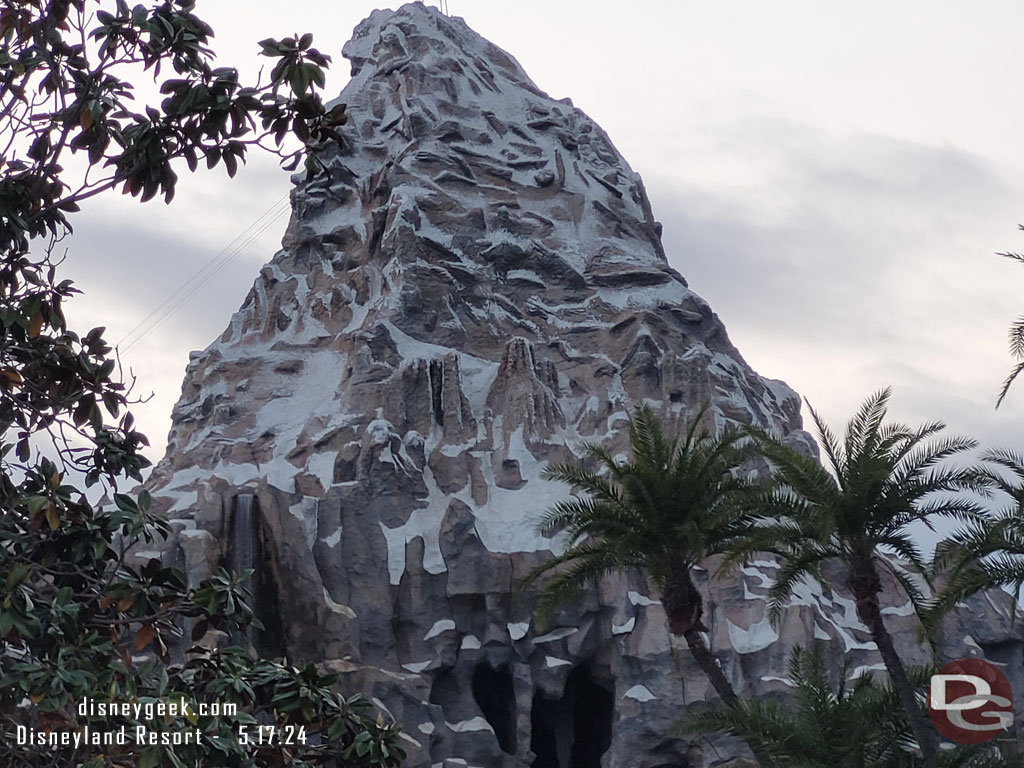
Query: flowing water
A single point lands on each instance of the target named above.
(242, 546)
(243, 534)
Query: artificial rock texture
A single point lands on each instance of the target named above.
(479, 286)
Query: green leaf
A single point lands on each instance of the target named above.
(270, 47)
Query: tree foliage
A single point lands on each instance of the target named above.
(986, 553)
(879, 479)
(674, 504)
(79, 620)
(831, 721)
(670, 507)
(1016, 340)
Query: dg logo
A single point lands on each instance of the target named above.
(970, 701)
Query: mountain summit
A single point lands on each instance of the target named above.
(477, 286)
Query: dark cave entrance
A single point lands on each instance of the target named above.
(575, 730)
(494, 693)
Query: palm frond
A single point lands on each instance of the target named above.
(1011, 254)
(672, 502)
(915, 459)
(1011, 461)
(1016, 338)
(1008, 382)
(905, 439)
(830, 443)
(764, 721)
(902, 544)
(862, 430)
(796, 567)
(961, 509)
(803, 474)
(773, 534)
(825, 722)
(586, 564)
(650, 445)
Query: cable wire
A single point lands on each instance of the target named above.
(210, 270)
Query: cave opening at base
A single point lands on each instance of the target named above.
(494, 693)
(575, 730)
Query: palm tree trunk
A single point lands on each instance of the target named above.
(709, 664)
(865, 585)
(684, 608)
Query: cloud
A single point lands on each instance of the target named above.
(845, 263)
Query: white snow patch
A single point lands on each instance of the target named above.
(425, 523)
(849, 617)
(334, 539)
(183, 501)
(395, 538)
(321, 466)
(304, 511)
(338, 607)
(557, 634)
(640, 693)
(637, 599)
(508, 521)
(517, 629)
(865, 669)
(525, 274)
(418, 666)
(553, 661)
(764, 581)
(648, 297)
(622, 629)
(900, 610)
(476, 724)
(783, 680)
(759, 636)
(1002, 610)
(852, 644)
(425, 728)
(470, 643)
(409, 738)
(440, 626)
(380, 705)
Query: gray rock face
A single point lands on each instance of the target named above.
(479, 286)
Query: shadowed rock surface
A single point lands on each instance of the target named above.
(479, 286)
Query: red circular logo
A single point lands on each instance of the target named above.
(970, 701)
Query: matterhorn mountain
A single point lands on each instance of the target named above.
(476, 287)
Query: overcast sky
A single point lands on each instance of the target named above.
(835, 181)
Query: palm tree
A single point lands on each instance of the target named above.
(879, 480)
(663, 513)
(829, 722)
(986, 553)
(1016, 339)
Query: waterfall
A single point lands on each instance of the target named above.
(242, 547)
(243, 534)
